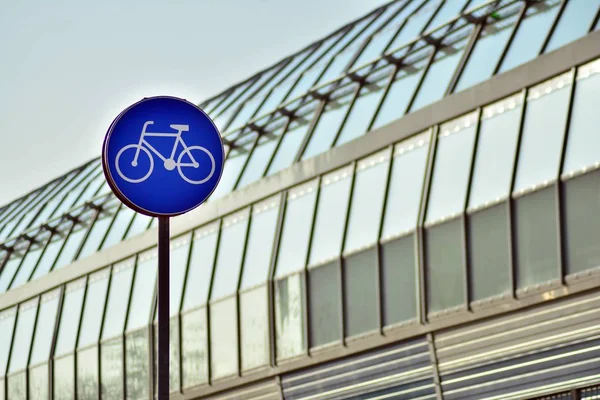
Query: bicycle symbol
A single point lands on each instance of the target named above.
(143, 147)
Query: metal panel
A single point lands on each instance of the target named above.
(269, 389)
(403, 370)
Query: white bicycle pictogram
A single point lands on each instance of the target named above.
(143, 147)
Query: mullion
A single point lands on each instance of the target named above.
(550, 32)
(511, 38)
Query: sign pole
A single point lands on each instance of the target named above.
(163, 308)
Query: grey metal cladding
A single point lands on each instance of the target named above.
(529, 353)
(269, 389)
(403, 369)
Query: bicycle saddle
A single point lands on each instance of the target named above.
(179, 127)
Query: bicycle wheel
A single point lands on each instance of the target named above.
(124, 162)
(195, 165)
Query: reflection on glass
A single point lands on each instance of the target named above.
(116, 307)
(23, 335)
(442, 67)
(451, 168)
(496, 151)
(49, 257)
(254, 340)
(136, 365)
(367, 201)
(291, 141)
(401, 91)
(69, 318)
(174, 356)
(261, 155)
(42, 339)
(118, 227)
(180, 249)
(7, 324)
(72, 245)
(223, 335)
(38, 382)
(263, 226)
(531, 33)
(93, 240)
(360, 117)
(489, 47)
(229, 255)
(543, 133)
(289, 317)
(575, 21)
(27, 266)
(92, 311)
(87, 374)
(331, 216)
(112, 369)
(64, 378)
(201, 265)
(583, 144)
(8, 272)
(405, 186)
(17, 386)
(325, 304)
(143, 290)
(297, 223)
(193, 346)
(324, 134)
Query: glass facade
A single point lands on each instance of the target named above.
(494, 205)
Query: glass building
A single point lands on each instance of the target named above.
(410, 209)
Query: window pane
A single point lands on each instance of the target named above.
(496, 151)
(174, 356)
(254, 330)
(118, 227)
(142, 296)
(17, 386)
(331, 216)
(452, 167)
(582, 222)
(69, 319)
(489, 252)
(87, 374)
(445, 270)
(118, 296)
(95, 237)
(93, 308)
(64, 378)
(583, 144)
(531, 33)
(398, 97)
(261, 155)
(193, 346)
(405, 187)
(543, 133)
(38, 382)
(8, 272)
(201, 265)
(246, 113)
(367, 201)
(137, 363)
(27, 266)
(536, 231)
(44, 331)
(72, 245)
(236, 159)
(260, 242)
(576, 21)
(112, 369)
(293, 245)
(49, 257)
(290, 143)
(289, 317)
(223, 334)
(7, 324)
(23, 335)
(442, 67)
(361, 293)
(489, 47)
(399, 280)
(140, 224)
(362, 111)
(415, 24)
(325, 308)
(180, 249)
(329, 123)
(229, 255)
(448, 10)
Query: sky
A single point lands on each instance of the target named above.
(70, 66)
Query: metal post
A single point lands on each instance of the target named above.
(162, 373)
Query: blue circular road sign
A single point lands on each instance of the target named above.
(163, 156)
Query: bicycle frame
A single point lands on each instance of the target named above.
(178, 140)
